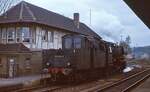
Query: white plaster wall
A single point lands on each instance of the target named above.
(56, 44)
(38, 44)
(38, 38)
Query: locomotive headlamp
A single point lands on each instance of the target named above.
(47, 63)
(68, 64)
(74, 51)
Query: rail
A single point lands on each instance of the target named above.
(126, 84)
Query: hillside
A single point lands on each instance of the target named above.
(139, 51)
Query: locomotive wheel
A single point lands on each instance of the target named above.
(54, 77)
(79, 77)
(75, 78)
(71, 78)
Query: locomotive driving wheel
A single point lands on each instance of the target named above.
(54, 77)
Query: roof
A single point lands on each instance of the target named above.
(16, 47)
(29, 13)
(141, 8)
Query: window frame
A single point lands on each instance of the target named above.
(52, 36)
(4, 35)
(18, 34)
(44, 34)
(33, 34)
(66, 43)
(28, 63)
(75, 43)
(0, 35)
(1, 61)
(25, 38)
(11, 32)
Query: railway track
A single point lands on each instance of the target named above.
(40, 89)
(124, 85)
(49, 89)
(127, 84)
(29, 89)
(80, 87)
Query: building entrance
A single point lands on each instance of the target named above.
(11, 67)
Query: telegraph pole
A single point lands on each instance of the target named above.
(90, 17)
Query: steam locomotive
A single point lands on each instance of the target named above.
(83, 57)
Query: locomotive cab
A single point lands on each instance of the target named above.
(85, 53)
(72, 42)
(73, 47)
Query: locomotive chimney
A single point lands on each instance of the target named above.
(76, 20)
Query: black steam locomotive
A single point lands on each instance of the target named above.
(83, 57)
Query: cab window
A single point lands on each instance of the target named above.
(77, 43)
(68, 43)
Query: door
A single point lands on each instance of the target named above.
(92, 50)
(11, 67)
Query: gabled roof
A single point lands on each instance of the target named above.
(11, 48)
(141, 8)
(26, 12)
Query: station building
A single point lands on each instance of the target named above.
(26, 30)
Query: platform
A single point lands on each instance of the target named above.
(25, 80)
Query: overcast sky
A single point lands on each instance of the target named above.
(111, 19)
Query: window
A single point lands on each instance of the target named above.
(44, 35)
(77, 43)
(4, 32)
(27, 63)
(10, 35)
(25, 33)
(68, 43)
(0, 35)
(0, 62)
(52, 37)
(18, 34)
(33, 32)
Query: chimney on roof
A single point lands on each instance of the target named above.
(76, 20)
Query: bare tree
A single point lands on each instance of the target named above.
(126, 44)
(7, 4)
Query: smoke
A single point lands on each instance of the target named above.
(107, 25)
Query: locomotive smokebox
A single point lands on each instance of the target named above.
(76, 19)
